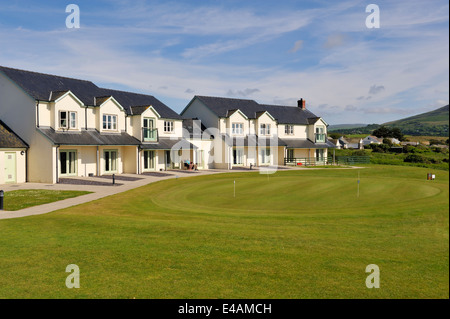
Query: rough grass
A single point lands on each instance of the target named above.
(294, 234)
(23, 198)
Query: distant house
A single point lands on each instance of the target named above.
(13, 154)
(409, 143)
(393, 140)
(351, 143)
(336, 142)
(372, 140)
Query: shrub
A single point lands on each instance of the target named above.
(416, 158)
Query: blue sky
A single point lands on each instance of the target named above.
(274, 52)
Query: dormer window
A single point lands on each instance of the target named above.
(264, 129)
(237, 129)
(110, 122)
(67, 119)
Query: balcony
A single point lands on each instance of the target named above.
(149, 135)
(321, 138)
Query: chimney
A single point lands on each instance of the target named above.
(301, 103)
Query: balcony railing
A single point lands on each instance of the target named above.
(321, 138)
(149, 135)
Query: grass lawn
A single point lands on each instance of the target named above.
(23, 198)
(294, 234)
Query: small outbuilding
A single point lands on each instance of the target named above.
(13, 156)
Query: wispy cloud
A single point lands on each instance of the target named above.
(171, 50)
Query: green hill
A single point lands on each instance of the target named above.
(434, 123)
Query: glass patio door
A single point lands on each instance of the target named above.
(68, 162)
(149, 160)
(149, 132)
(238, 156)
(110, 157)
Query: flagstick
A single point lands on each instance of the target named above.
(234, 189)
(358, 186)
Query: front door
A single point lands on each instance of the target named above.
(68, 162)
(10, 167)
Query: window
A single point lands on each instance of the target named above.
(289, 129)
(109, 122)
(67, 119)
(320, 135)
(73, 119)
(264, 129)
(237, 128)
(168, 126)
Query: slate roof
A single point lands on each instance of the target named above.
(40, 85)
(88, 137)
(9, 139)
(283, 114)
(306, 143)
(165, 143)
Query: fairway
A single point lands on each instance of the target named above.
(293, 234)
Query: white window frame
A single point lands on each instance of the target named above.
(264, 129)
(68, 120)
(289, 129)
(109, 122)
(168, 126)
(237, 128)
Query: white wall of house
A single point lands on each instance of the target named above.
(15, 101)
(46, 117)
(91, 114)
(300, 131)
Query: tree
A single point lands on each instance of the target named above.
(334, 135)
(385, 131)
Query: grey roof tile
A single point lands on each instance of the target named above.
(40, 85)
(223, 107)
(88, 137)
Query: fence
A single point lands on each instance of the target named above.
(339, 160)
